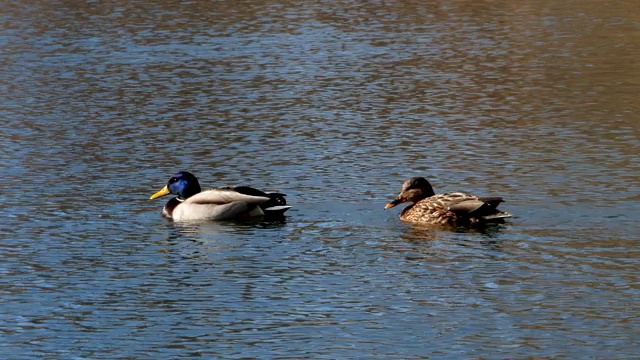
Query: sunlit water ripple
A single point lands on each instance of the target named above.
(335, 104)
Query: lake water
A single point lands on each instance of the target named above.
(335, 103)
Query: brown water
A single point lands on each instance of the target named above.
(336, 104)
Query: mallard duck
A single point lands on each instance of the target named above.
(191, 203)
(445, 209)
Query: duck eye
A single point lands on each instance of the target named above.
(172, 180)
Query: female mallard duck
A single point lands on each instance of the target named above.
(445, 209)
(192, 203)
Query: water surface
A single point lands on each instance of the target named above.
(336, 104)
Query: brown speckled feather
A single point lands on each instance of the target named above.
(445, 209)
(437, 210)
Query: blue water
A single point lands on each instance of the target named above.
(335, 104)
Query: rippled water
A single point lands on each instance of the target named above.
(335, 103)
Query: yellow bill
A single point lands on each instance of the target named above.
(161, 193)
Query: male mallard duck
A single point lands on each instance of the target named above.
(192, 203)
(445, 209)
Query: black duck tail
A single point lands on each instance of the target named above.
(276, 205)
